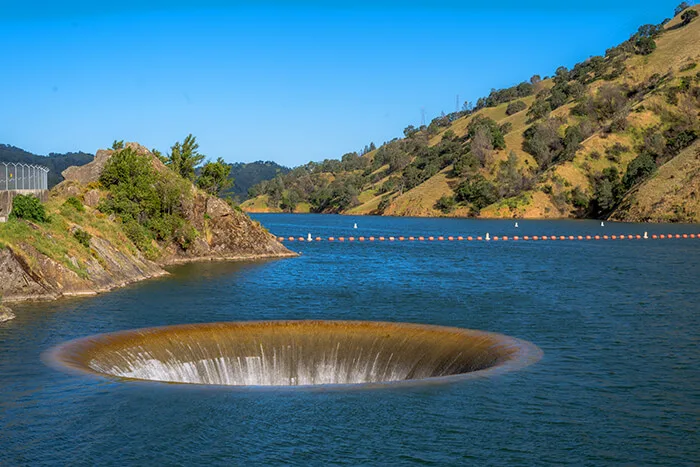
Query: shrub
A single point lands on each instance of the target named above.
(28, 207)
(75, 203)
(688, 66)
(515, 107)
(688, 16)
(478, 191)
(83, 237)
(445, 204)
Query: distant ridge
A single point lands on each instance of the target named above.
(56, 163)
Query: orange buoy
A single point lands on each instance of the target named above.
(494, 238)
(516, 238)
(318, 239)
(662, 236)
(579, 237)
(692, 235)
(654, 236)
(391, 239)
(526, 237)
(421, 238)
(330, 239)
(571, 237)
(351, 239)
(401, 239)
(381, 239)
(685, 235)
(450, 238)
(535, 237)
(470, 238)
(371, 239)
(597, 237)
(341, 239)
(301, 239)
(678, 236)
(411, 238)
(362, 239)
(280, 239)
(291, 239)
(460, 238)
(614, 237)
(504, 238)
(479, 238)
(431, 238)
(638, 237)
(588, 237)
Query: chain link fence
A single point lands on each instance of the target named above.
(19, 176)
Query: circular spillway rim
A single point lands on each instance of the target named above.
(525, 354)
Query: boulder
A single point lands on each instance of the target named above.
(6, 314)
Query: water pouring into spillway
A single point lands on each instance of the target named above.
(296, 353)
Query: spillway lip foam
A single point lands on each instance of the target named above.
(295, 354)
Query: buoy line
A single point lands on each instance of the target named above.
(487, 238)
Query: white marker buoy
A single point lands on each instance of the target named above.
(602, 224)
(646, 235)
(487, 236)
(516, 225)
(308, 239)
(354, 226)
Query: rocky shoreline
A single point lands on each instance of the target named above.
(44, 262)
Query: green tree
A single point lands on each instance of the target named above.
(639, 169)
(184, 157)
(646, 45)
(515, 107)
(478, 191)
(214, 177)
(117, 145)
(688, 16)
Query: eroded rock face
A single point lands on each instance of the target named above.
(92, 198)
(6, 314)
(224, 233)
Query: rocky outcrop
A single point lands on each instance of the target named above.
(27, 274)
(6, 314)
(224, 233)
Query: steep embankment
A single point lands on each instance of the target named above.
(578, 144)
(671, 195)
(81, 250)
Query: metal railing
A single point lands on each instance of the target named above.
(20, 176)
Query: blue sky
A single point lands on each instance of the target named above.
(282, 81)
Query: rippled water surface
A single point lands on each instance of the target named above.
(618, 321)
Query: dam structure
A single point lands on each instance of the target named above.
(296, 353)
(21, 179)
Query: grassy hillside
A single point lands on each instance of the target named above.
(583, 143)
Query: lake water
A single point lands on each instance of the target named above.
(618, 322)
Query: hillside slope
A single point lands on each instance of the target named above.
(82, 248)
(569, 146)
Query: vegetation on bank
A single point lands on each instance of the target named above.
(147, 199)
(570, 145)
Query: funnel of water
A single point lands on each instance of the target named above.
(296, 353)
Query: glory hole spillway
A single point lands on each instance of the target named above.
(296, 353)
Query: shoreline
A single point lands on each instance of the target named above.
(49, 297)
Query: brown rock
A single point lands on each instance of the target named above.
(6, 314)
(92, 198)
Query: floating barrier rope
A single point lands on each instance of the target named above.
(488, 238)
